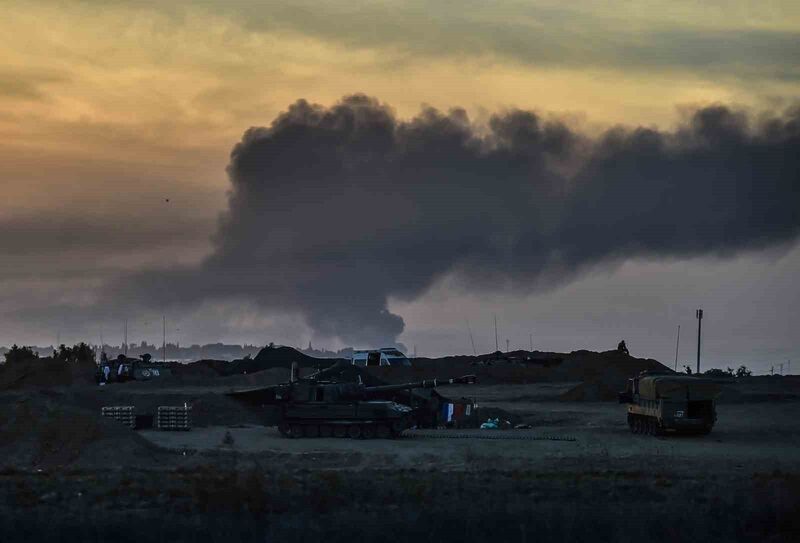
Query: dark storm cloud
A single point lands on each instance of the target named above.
(333, 210)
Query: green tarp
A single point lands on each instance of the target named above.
(678, 387)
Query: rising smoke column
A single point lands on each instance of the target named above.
(334, 209)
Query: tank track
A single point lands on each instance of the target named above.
(643, 424)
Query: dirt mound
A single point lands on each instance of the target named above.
(37, 372)
(45, 373)
(581, 365)
(260, 378)
(277, 357)
(590, 391)
(202, 369)
(38, 430)
(602, 374)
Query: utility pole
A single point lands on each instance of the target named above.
(699, 329)
(781, 366)
(677, 344)
(496, 345)
(125, 350)
(164, 319)
(530, 337)
(471, 340)
(507, 349)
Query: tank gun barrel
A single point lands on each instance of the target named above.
(428, 383)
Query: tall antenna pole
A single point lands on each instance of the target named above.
(677, 344)
(471, 339)
(164, 318)
(506, 344)
(125, 349)
(699, 329)
(530, 337)
(496, 345)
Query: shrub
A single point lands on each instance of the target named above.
(20, 354)
(77, 353)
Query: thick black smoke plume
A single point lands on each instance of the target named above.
(332, 210)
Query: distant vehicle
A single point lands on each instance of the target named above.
(388, 356)
(658, 403)
(123, 369)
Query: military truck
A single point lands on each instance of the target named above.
(658, 403)
(313, 407)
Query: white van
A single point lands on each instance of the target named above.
(388, 356)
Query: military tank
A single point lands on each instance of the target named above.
(313, 407)
(660, 403)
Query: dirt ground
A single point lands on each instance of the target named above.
(232, 478)
(757, 436)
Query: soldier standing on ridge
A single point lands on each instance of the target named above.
(623, 348)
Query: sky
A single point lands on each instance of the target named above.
(357, 173)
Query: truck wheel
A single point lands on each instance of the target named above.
(326, 430)
(284, 429)
(340, 431)
(296, 430)
(368, 431)
(637, 424)
(383, 432)
(354, 431)
(630, 422)
(311, 431)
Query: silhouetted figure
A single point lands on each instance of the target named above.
(622, 347)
